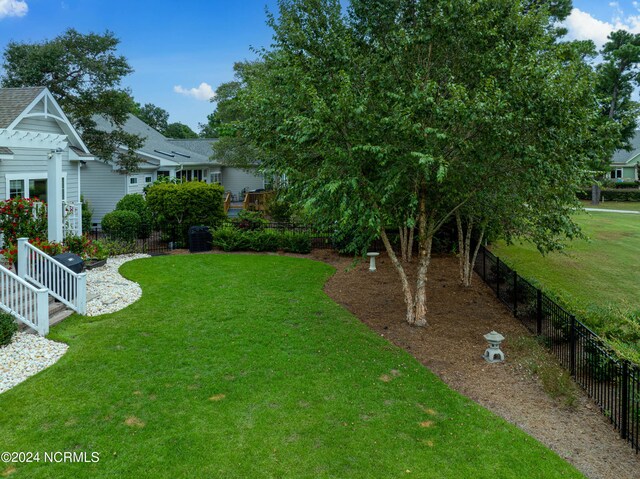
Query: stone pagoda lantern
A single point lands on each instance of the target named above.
(493, 354)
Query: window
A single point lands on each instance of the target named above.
(162, 173)
(617, 173)
(216, 177)
(16, 188)
(32, 185)
(38, 189)
(133, 180)
(148, 179)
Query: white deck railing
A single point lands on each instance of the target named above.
(63, 284)
(25, 302)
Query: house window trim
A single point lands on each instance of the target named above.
(25, 177)
(132, 182)
(614, 173)
(150, 179)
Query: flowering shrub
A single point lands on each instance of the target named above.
(22, 217)
(85, 248)
(49, 247)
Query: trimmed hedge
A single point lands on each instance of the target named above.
(182, 205)
(613, 195)
(135, 202)
(121, 225)
(232, 239)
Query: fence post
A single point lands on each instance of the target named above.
(515, 294)
(484, 264)
(82, 293)
(42, 311)
(538, 312)
(572, 349)
(498, 277)
(21, 264)
(624, 410)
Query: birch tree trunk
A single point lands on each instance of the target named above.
(406, 287)
(467, 258)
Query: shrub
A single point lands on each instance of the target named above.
(85, 248)
(121, 225)
(249, 220)
(8, 328)
(279, 209)
(135, 202)
(87, 215)
(613, 194)
(116, 247)
(22, 217)
(230, 239)
(234, 239)
(182, 205)
(296, 242)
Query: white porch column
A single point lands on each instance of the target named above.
(54, 195)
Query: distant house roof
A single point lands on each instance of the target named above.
(156, 145)
(13, 102)
(622, 156)
(197, 145)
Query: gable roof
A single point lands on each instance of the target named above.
(156, 145)
(201, 146)
(17, 104)
(623, 156)
(13, 101)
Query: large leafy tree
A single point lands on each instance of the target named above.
(84, 73)
(179, 130)
(402, 113)
(154, 116)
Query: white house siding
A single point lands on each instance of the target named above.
(45, 125)
(236, 179)
(139, 186)
(102, 187)
(33, 162)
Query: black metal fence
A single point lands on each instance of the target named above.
(612, 382)
(149, 241)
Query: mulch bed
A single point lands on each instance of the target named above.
(452, 345)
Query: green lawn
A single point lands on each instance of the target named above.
(597, 278)
(240, 366)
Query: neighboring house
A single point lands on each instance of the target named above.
(624, 164)
(41, 155)
(234, 180)
(103, 184)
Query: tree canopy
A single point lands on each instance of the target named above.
(409, 112)
(83, 73)
(179, 130)
(154, 116)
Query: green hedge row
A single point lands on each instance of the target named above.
(232, 239)
(612, 195)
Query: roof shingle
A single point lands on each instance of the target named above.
(13, 101)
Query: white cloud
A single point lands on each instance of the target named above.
(204, 92)
(13, 8)
(582, 26)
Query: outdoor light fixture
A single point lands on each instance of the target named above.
(493, 353)
(372, 261)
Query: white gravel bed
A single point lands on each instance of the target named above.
(25, 356)
(29, 354)
(107, 291)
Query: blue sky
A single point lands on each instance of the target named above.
(180, 49)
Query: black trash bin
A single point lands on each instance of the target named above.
(63, 286)
(199, 239)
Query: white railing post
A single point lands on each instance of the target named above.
(79, 218)
(42, 298)
(23, 252)
(82, 293)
